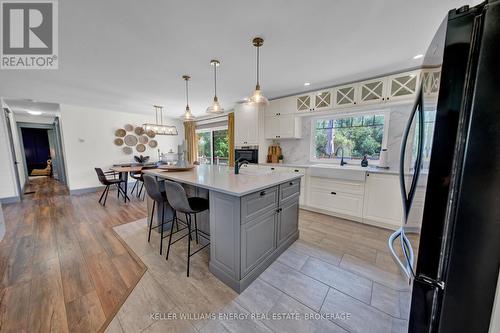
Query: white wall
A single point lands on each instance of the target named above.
(8, 187)
(88, 136)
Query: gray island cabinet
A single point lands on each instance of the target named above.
(253, 218)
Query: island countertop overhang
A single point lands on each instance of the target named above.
(222, 179)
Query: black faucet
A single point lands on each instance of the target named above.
(238, 164)
(342, 163)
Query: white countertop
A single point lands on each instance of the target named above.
(369, 168)
(222, 179)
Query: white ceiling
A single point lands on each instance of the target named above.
(127, 54)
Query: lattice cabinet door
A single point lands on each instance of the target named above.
(372, 91)
(304, 103)
(431, 79)
(345, 95)
(322, 100)
(403, 86)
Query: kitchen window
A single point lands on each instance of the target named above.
(358, 135)
(213, 145)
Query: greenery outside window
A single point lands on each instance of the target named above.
(358, 135)
(213, 145)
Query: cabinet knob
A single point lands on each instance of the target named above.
(296, 170)
(387, 98)
(263, 193)
(354, 102)
(383, 99)
(291, 183)
(334, 193)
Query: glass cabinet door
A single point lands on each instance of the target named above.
(430, 81)
(372, 91)
(403, 86)
(322, 100)
(304, 103)
(345, 95)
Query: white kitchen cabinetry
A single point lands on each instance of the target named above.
(340, 197)
(282, 127)
(382, 200)
(372, 91)
(303, 103)
(402, 86)
(322, 100)
(302, 171)
(246, 125)
(281, 106)
(346, 95)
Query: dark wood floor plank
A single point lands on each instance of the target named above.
(76, 279)
(19, 265)
(14, 302)
(47, 310)
(85, 314)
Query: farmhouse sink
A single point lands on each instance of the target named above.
(346, 172)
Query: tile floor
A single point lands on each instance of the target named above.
(338, 277)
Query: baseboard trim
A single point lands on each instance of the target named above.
(80, 191)
(9, 200)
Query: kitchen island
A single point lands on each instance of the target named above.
(253, 217)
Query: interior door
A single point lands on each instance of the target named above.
(54, 156)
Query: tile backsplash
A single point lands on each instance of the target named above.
(298, 150)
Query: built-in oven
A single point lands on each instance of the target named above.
(249, 153)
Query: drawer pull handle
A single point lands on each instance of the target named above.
(334, 193)
(263, 193)
(272, 168)
(296, 170)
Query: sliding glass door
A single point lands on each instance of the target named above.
(213, 145)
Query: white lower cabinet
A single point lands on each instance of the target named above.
(376, 201)
(382, 203)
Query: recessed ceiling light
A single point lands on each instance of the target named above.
(418, 56)
(307, 83)
(35, 113)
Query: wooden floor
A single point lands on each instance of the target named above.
(336, 267)
(62, 267)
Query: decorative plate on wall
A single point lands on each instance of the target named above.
(127, 150)
(120, 132)
(143, 139)
(129, 128)
(118, 141)
(140, 148)
(151, 134)
(139, 130)
(130, 140)
(153, 143)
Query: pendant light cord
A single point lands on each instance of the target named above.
(187, 94)
(215, 80)
(258, 62)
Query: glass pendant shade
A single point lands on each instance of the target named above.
(158, 128)
(257, 97)
(187, 116)
(215, 108)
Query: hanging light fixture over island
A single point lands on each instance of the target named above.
(187, 116)
(257, 98)
(215, 108)
(158, 128)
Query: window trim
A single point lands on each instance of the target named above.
(385, 112)
(211, 131)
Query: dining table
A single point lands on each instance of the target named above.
(123, 171)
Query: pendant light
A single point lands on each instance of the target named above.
(187, 116)
(215, 108)
(158, 128)
(257, 98)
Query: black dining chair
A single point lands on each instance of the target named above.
(178, 199)
(107, 182)
(139, 180)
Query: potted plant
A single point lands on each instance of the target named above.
(280, 159)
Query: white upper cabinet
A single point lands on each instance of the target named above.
(246, 125)
(303, 103)
(403, 86)
(286, 126)
(281, 106)
(345, 95)
(322, 100)
(372, 91)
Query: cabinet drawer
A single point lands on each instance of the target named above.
(329, 184)
(259, 203)
(337, 202)
(289, 189)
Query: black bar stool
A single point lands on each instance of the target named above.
(159, 200)
(179, 201)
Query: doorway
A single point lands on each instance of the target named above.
(42, 151)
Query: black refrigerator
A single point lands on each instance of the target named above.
(450, 177)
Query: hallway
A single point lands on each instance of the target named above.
(62, 267)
